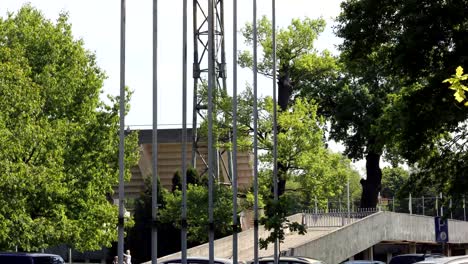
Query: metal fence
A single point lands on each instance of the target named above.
(334, 217)
(335, 214)
(426, 205)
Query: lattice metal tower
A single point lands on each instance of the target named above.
(200, 73)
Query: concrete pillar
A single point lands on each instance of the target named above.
(466, 251)
(389, 257)
(412, 248)
(449, 250)
(369, 254)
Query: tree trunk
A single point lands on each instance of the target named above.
(284, 96)
(372, 185)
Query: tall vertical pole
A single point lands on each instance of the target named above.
(464, 209)
(275, 118)
(183, 224)
(255, 119)
(120, 246)
(211, 150)
(379, 200)
(423, 205)
(410, 205)
(154, 145)
(196, 76)
(441, 206)
(450, 208)
(437, 205)
(234, 134)
(316, 209)
(348, 203)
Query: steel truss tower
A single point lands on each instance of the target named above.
(200, 76)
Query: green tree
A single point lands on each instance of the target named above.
(139, 236)
(416, 44)
(59, 141)
(197, 211)
(307, 162)
(295, 52)
(393, 180)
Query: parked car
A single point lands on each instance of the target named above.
(413, 258)
(363, 262)
(197, 260)
(288, 260)
(30, 258)
(447, 260)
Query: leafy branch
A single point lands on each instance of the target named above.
(457, 85)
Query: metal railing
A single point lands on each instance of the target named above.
(335, 214)
(334, 217)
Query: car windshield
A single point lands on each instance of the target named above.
(47, 260)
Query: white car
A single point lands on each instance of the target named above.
(363, 262)
(288, 260)
(447, 260)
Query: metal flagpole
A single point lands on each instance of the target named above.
(211, 150)
(275, 119)
(255, 119)
(234, 135)
(450, 208)
(154, 145)
(441, 206)
(121, 134)
(196, 75)
(423, 209)
(183, 224)
(348, 202)
(464, 209)
(410, 205)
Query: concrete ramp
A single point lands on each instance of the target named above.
(335, 244)
(341, 244)
(223, 246)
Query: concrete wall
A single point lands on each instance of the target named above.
(335, 246)
(345, 242)
(223, 246)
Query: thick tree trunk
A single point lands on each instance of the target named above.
(284, 96)
(372, 185)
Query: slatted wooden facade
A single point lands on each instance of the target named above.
(170, 161)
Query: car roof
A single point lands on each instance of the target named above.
(306, 259)
(363, 262)
(223, 260)
(28, 254)
(444, 260)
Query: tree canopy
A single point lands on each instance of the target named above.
(417, 44)
(58, 140)
(295, 52)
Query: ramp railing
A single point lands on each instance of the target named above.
(334, 217)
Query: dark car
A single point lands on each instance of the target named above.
(413, 258)
(30, 258)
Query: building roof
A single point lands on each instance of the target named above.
(164, 136)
